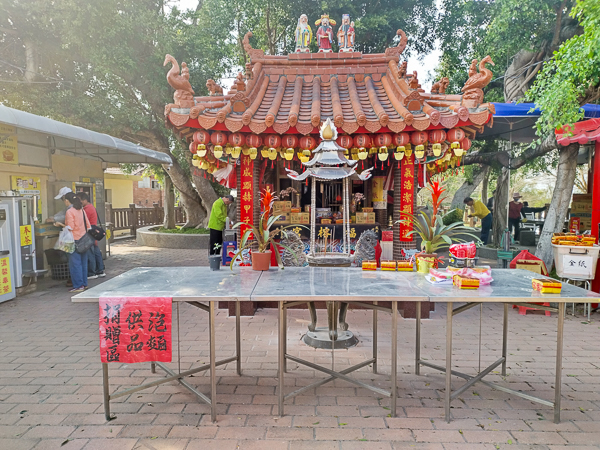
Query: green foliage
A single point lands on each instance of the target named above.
(572, 77)
(183, 230)
(456, 215)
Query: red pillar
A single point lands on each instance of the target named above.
(595, 181)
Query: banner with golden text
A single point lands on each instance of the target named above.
(407, 193)
(246, 193)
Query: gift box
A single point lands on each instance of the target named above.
(369, 265)
(388, 265)
(387, 235)
(546, 285)
(326, 221)
(367, 210)
(404, 266)
(463, 282)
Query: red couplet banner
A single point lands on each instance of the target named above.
(246, 192)
(135, 329)
(407, 193)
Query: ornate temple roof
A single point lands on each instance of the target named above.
(360, 93)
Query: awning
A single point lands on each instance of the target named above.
(77, 141)
(515, 121)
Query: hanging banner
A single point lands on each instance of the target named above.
(135, 329)
(26, 236)
(246, 193)
(9, 147)
(379, 195)
(407, 194)
(28, 187)
(5, 277)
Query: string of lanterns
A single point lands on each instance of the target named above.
(447, 146)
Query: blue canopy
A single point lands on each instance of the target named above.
(522, 109)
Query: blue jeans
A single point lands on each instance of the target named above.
(486, 226)
(78, 266)
(95, 262)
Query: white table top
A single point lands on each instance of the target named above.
(319, 284)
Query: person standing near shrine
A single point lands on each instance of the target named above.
(303, 35)
(481, 212)
(216, 223)
(514, 216)
(324, 33)
(94, 255)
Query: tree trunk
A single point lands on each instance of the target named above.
(30, 65)
(563, 189)
(169, 204)
(500, 207)
(484, 186)
(479, 173)
(192, 203)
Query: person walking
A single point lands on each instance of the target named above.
(483, 213)
(95, 261)
(216, 223)
(79, 224)
(514, 216)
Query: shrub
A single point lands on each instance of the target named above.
(456, 215)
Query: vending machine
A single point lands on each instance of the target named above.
(7, 272)
(20, 222)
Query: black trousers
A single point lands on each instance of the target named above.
(515, 224)
(216, 237)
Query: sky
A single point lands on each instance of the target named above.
(423, 68)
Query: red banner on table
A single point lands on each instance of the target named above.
(246, 193)
(135, 329)
(407, 194)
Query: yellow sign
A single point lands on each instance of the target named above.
(5, 281)
(9, 153)
(107, 233)
(26, 236)
(85, 180)
(28, 186)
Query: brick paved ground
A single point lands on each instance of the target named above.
(50, 382)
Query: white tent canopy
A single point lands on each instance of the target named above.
(41, 132)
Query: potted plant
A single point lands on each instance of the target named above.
(262, 236)
(430, 227)
(214, 261)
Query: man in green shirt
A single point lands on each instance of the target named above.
(216, 223)
(482, 212)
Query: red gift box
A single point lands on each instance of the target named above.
(387, 235)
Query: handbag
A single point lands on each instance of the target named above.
(96, 231)
(86, 242)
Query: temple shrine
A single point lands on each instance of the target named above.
(268, 123)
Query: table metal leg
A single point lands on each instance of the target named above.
(448, 393)
(281, 356)
(559, 352)
(106, 392)
(375, 338)
(284, 341)
(394, 393)
(238, 338)
(418, 340)
(504, 338)
(213, 377)
(152, 367)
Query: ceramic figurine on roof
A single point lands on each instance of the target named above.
(345, 35)
(303, 35)
(325, 33)
(473, 88)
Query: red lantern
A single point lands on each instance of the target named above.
(237, 139)
(308, 142)
(289, 141)
(192, 147)
(465, 144)
(455, 134)
(418, 138)
(344, 141)
(218, 138)
(254, 140)
(382, 140)
(202, 137)
(437, 136)
(362, 140)
(401, 139)
(272, 141)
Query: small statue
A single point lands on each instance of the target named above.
(213, 88)
(248, 74)
(439, 87)
(325, 33)
(303, 35)
(413, 83)
(240, 84)
(402, 70)
(345, 35)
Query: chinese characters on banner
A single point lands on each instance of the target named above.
(407, 193)
(379, 196)
(28, 187)
(26, 238)
(135, 329)
(246, 193)
(5, 277)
